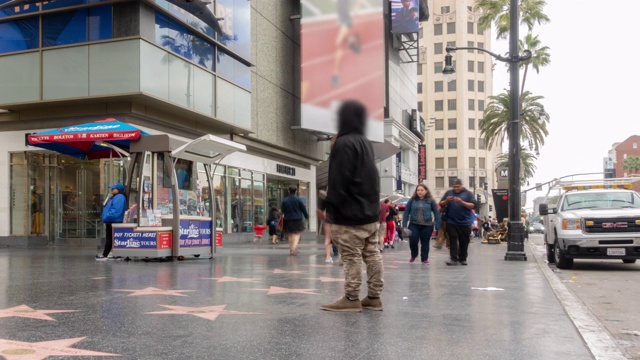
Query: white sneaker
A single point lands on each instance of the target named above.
(329, 261)
(100, 257)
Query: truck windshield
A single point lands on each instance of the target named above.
(601, 200)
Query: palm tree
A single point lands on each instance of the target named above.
(527, 166)
(540, 56)
(497, 12)
(494, 126)
(632, 163)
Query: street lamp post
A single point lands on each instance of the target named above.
(515, 249)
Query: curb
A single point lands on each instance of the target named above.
(594, 334)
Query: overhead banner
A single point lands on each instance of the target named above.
(405, 15)
(399, 171)
(422, 163)
(342, 58)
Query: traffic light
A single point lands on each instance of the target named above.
(486, 186)
(490, 207)
(479, 198)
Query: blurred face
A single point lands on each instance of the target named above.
(457, 188)
(406, 3)
(114, 191)
(421, 191)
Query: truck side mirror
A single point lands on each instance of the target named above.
(544, 209)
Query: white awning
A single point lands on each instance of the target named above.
(207, 149)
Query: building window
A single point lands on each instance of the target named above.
(470, 85)
(480, 105)
(438, 86)
(470, 66)
(419, 88)
(482, 180)
(472, 104)
(439, 163)
(419, 69)
(27, 37)
(472, 162)
(635, 145)
(452, 124)
(437, 48)
(481, 67)
(472, 182)
(480, 86)
(481, 46)
(451, 43)
(470, 27)
(439, 144)
(480, 31)
(439, 124)
(437, 29)
(439, 182)
(420, 106)
(439, 105)
(451, 180)
(451, 28)
(451, 104)
(470, 44)
(453, 162)
(445, 9)
(472, 143)
(451, 85)
(472, 124)
(421, 33)
(481, 144)
(453, 143)
(483, 163)
(437, 67)
(624, 156)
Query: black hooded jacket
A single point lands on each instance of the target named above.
(354, 184)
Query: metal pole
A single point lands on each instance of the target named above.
(515, 249)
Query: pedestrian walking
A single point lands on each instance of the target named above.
(112, 213)
(353, 204)
(459, 202)
(382, 224)
(258, 232)
(390, 234)
(294, 212)
(422, 214)
(272, 220)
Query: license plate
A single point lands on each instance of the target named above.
(616, 252)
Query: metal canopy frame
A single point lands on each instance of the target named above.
(409, 44)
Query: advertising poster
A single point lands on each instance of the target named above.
(422, 163)
(405, 15)
(195, 233)
(342, 58)
(127, 238)
(501, 203)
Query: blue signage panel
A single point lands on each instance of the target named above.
(127, 238)
(195, 233)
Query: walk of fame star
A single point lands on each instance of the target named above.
(26, 312)
(327, 279)
(279, 271)
(154, 291)
(14, 350)
(205, 312)
(274, 290)
(233, 279)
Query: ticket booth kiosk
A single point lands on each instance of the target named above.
(171, 211)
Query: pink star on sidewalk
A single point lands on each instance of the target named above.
(26, 312)
(274, 290)
(233, 279)
(278, 271)
(14, 350)
(154, 291)
(205, 312)
(327, 279)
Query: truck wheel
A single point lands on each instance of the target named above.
(550, 255)
(561, 261)
(629, 261)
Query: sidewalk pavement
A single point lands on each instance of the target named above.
(257, 302)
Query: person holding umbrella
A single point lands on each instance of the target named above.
(113, 212)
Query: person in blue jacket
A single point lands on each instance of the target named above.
(422, 214)
(113, 212)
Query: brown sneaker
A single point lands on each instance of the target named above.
(343, 304)
(371, 304)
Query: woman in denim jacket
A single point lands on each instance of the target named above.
(420, 212)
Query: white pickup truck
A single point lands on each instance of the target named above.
(596, 221)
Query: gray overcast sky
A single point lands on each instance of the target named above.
(592, 58)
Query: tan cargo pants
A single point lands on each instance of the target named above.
(357, 244)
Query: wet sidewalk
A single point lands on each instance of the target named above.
(257, 302)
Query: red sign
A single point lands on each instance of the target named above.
(422, 163)
(164, 240)
(218, 239)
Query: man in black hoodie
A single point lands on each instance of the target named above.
(352, 201)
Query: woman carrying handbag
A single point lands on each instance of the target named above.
(422, 214)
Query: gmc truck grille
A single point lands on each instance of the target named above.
(613, 225)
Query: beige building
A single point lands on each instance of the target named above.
(454, 109)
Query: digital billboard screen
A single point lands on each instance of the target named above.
(405, 16)
(342, 58)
